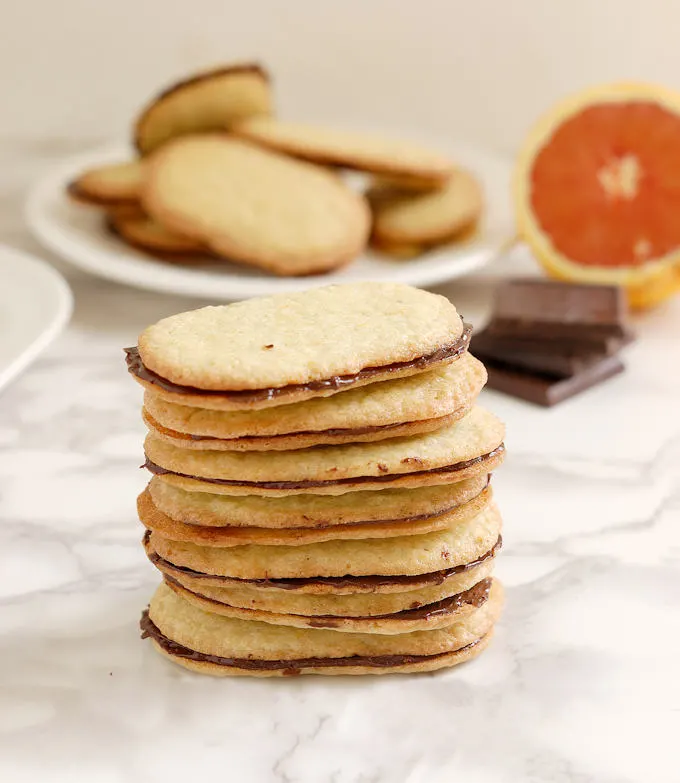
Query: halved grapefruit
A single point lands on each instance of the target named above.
(597, 190)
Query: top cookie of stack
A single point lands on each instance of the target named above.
(319, 462)
(218, 177)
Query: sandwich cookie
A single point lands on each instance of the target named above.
(363, 508)
(209, 101)
(274, 600)
(348, 596)
(469, 447)
(154, 519)
(464, 542)
(408, 406)
(439, 614)
(294, 347)
(222, 646)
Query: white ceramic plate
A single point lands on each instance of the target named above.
(76, 233)
(35, 305)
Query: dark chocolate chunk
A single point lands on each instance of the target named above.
(563, 344)
(544, 390)
(530, 308)
(559, 360)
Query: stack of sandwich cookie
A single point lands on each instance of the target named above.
(320, 498)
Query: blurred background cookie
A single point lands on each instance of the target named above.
(255, 206)
(142, 232)
(110, 185)
(278, 197)
(213, 100)
(348, 149)
(406, 222)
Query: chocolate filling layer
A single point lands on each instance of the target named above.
(476, 596)
(159, 471)
(331, 432)
(337, 382)
(406, 581)
(290, 667)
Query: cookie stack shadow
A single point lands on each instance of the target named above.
(320, 499)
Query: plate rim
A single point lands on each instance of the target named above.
(184, 281)
(64, 301)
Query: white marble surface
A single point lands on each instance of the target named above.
(581, 684)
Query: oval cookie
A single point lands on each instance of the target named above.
(208, 101)
(213, 644)
(209, 535)
(111, 185)
(439, 614)
(407, 218)
(249, 595)
(140, 231)
(360, 151)
(254, 206)
(312, 511)
(418, 404)
(462, 542)
(293, 347)
(471, 446)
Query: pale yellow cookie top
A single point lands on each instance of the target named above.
(476, 434)
(349, 148)
(297, 338)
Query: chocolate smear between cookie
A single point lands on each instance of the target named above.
(157, 470)
(453, 350)
(291, 666)
(476, 596)
(339, 582)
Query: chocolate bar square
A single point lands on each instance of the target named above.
(551, 310)
(546, 390)
(555, 359)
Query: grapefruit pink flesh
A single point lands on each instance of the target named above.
(605, 186)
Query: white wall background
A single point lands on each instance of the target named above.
(475, 69)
